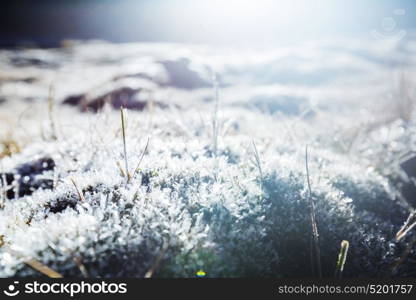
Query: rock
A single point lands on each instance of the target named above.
(27, 177)
(59, 206)
(36, 167)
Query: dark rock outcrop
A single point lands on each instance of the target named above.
(121, 97)
(27, 178)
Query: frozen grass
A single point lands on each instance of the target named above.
(216, 188)
(185, 210)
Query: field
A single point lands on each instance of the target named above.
(173, 160)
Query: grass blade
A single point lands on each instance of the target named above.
(54, 135)
(141, 156)
(123, 130)
(258, 162)
(408, 225)
(41, 268)
(157, 262)
(36, 265)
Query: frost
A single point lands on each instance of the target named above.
(203, 209)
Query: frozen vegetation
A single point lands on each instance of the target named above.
(206, 178)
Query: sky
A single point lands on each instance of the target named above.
(222, 22)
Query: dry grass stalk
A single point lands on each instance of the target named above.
(9, 147)
(342, 257)
(315, 250)
(35, 264)
(3, 186)
(80, 195)
(120, 168)
(123, 130)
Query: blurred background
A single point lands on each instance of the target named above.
(232, 22)
(297, 59)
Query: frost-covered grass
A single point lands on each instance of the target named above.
(216, 213)
(221, 183)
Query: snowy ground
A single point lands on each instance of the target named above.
(221, 186)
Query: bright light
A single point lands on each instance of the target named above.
(245, 20)
(252, 11)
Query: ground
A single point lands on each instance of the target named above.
(206, 168)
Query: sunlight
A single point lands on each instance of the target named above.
(249, 21)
